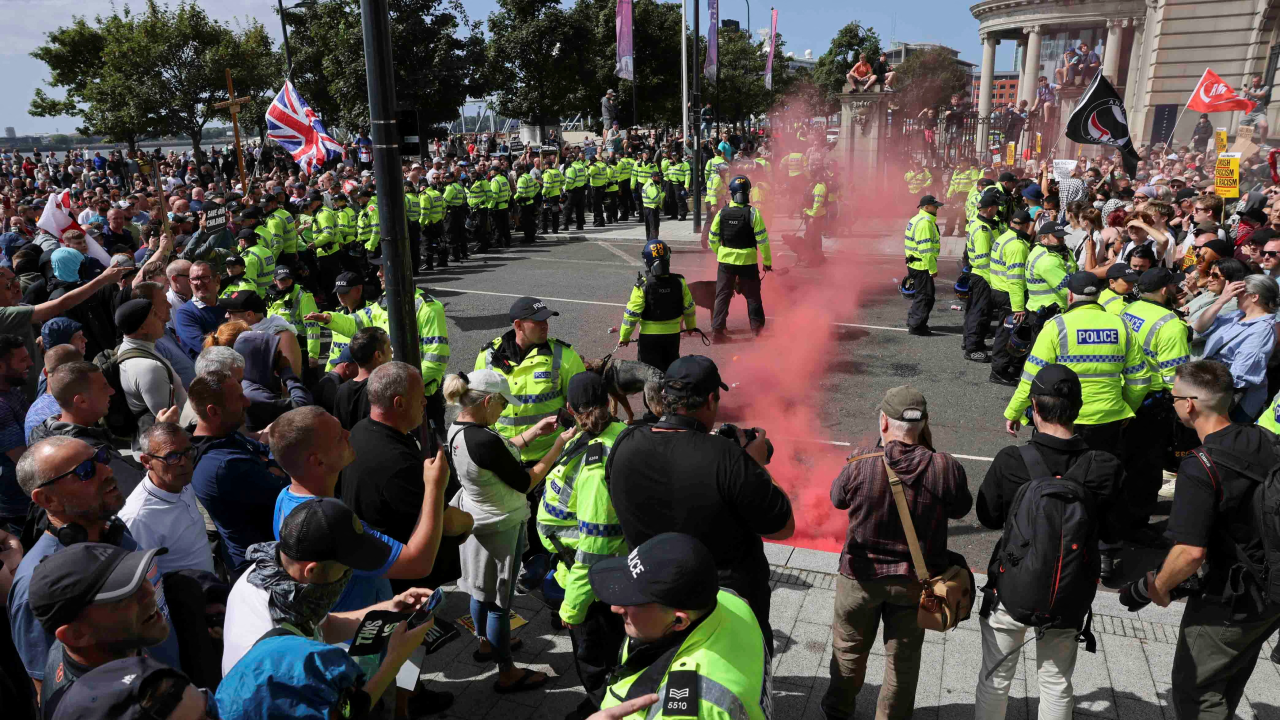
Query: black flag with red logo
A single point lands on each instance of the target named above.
(1099, 119)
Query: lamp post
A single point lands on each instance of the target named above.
(284, 30)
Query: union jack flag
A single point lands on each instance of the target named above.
(293, 124)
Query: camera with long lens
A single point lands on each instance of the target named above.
(730, 431)
(1136, 595)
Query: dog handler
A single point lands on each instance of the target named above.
(660, 303)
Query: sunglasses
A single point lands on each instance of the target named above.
(176, 456)
(85, 470)
(1215, 276)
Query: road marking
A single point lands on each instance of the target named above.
(497, 256)
(630, 260)
(839, 443)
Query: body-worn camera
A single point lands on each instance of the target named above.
(1136, 595)
(731, 431)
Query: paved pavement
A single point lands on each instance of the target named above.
(835, 341)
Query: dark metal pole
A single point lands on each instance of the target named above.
(392, 219)
(284, 30)
(697, 127)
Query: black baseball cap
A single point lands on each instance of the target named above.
(530, 308)
(253, 212)
(586, 390)
(1157, 278)
(1022, 216)
(1084, 284)
(1051, 227)
(1057, 381)
(345, 282)
(65, 583)
(1122, 271)
(671, 569)
(243, 301)
(324, 529)
(234, 260)
(283, 271)
(693, 375)
(1185, 193)
(246, 234)
(1220, 247)
(1262, 236)
(1007, 176)
(988, 200)
(929, 200)
(379, 260)
(114, 692)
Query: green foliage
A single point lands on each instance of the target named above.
(929, 78)
(533, 59)
(832, 67)
(439, 59)
(59, 140)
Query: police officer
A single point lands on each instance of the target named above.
(626, 170)
(713, 198)
(667, 591)
(455, 217)
(553, 183)
(526, 191)
(1049, 264)
(346, 232)
(236, 278)
(736, 235)
(255, 247)
(275, 223)
(1165, 341)
(579, 527)
(414, 221)
(1099, 347)
(431, 225)
(478, 202)
(1122, 283)
(499, 210)
(816, 221)
(979, 305)
(918, 178)
(660, 303)
(1008, 199)
(598, 176)
(963, 178)
(1009, 294)
(575, 177)
(973, 196)
(326, 241)
(349, 289)
(651, 197)
(287, 299)
(922, 245)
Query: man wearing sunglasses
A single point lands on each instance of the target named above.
(161, 511)
(70, 480)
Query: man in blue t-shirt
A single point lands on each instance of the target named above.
(71, 481)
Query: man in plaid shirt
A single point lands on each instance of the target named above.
(876, 578)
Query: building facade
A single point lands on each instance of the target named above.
(1004, 87)
(1153, 51)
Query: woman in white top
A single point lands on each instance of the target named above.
(494, 488)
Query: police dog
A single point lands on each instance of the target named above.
(626, 377)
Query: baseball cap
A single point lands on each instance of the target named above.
(253, 212)
(904, 403)
(988, 200)
(123, 260)
(530, 308)
(671, 569)
(929, 200)
(114, 691)
(1155, 279)
(1022, 216)
(283, 271)
(693, 375)
(1057, 381)
(1185, 194)
(379, 260)
(65, 583)
(246, 234)
(1051, 227)
(1122, 271)
(488, 382)
(587, 390)
(243, 301)
(234, 260)
(1084, 284)
(324, 529)
(343, 357)
(1007, 176)
(345, 282)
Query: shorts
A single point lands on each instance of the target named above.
(928, 136)
(1259, 113)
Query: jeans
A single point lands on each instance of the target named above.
(493, 624)
(859, 609)
(1055, 662)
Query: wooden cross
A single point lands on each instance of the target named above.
(233, 104)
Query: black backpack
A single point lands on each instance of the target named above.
(120, 420)
(1045, 568)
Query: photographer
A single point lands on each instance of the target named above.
(677, 476)
(1228, 615)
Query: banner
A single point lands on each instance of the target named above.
(1213, 94)
(1038, 140)
(713, 40)
(1220, 139)
(1062, 169)
(622, 24)
(1012, 154)
(768, 64)
(1226, 176)
(1099, 119)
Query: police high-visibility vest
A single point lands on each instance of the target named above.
(1046, 277)
(612, 184)
(433, 333)
(1113, 302)
(576, 520)
(552, 183)
(1164, 338)
(289, 231)
(651, 195)
(1014, 248)
(795, 164)
(1099, 347)
(819, 201)
(454, 195)
(526, 189)
(626, 166)
(640, 173)
(338, 341)
(923, 242)
(962, 181)
(260, 264)
(364, 228)
(659, 305)
(723, 664)
(347, 225)
(737, 232)
(432, 206)
(598, 173)
(412, 206)
(241, 283)
(478, 195)
(538, 384)
(981, 236)
(499, 191)
(580, 175)
(715, 189)
(917, 181)
(374, 238)
(1270, 418)
(294, 306)
(971, 203)
(711, 166)
(273, 227)
(325, 232)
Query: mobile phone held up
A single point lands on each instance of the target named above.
(565, 419)
(427, 611)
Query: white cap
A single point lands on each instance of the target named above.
(488, 382)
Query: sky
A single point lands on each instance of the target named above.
(804, 24)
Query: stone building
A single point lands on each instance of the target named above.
(1153, 51)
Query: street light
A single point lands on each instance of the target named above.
(748, 2)
(284, 30)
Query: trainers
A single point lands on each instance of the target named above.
(1166, 490)
(978, 356)
(999, 379)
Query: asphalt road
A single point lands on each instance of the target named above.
(834, 343)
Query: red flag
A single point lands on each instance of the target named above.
(1213, 94)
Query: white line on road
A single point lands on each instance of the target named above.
(620, 254)
(838, 443)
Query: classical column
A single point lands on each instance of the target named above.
(1111, 51)
(1030, 69)
(1136, 79)
(1021, 52)
(989, 42)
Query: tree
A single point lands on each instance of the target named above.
(834, 64)
(929, 78)
(439, 59)
(739, 86)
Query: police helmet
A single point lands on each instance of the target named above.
(962, 287)
(740, 189)
(657, 257)
(1021, 336)
(908, 287)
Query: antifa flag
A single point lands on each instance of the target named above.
(1099, 119)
